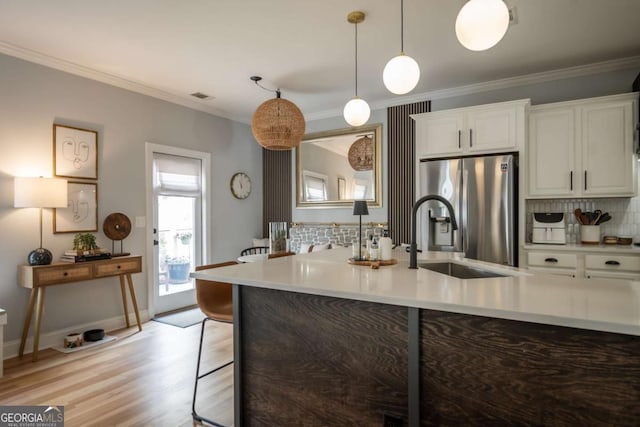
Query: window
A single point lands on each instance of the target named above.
(315, 186)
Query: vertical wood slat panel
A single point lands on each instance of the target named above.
(276, 187)
(401, 167)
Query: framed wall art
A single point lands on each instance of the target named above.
(75, 152)
(81, 213)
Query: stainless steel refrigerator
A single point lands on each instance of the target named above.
(484, 193)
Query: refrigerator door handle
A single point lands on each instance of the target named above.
(464, 210)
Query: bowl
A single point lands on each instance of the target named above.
(93, 335)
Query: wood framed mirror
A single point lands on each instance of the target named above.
(334, 168)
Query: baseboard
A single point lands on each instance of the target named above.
(53, 338)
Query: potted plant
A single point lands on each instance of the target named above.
(84, 243)
(185, 237)
(178, 268)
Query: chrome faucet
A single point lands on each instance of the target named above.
(413, 249)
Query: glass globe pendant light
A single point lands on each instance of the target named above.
(402, 73)
(481, 24)
(356, 112)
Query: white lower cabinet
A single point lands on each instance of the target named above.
(601, 266)
(585, 263)
(563, 264)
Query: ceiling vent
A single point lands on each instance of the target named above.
(201, 95)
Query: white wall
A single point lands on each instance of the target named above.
(32, 98)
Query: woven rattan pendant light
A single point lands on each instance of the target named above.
(277, 124)
(361, 154)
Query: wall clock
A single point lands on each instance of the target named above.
(240, 185)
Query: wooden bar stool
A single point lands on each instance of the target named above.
(215, 301)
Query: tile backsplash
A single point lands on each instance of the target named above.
(336, 234)
(625, 215)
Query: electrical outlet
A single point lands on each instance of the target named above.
(390, 421)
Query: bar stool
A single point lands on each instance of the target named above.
(215, 301)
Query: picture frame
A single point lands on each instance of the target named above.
(75, 152)
(81, 213)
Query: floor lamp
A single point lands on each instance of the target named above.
(360, 208)
(40, 193)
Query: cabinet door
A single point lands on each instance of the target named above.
(491, 129)
(552, 145)
(439, 134)
(607, 153)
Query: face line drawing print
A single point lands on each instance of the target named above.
(79, 207)
(76, 152)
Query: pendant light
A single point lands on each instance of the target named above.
(402, 73)
(356, 112)
(481, 24)
(277, 124)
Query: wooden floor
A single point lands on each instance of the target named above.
(141, 379)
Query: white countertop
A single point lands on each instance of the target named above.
(604, 305)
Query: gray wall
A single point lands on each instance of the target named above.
(602, 84)
(32, 98)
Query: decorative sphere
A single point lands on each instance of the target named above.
(40, 256)
(481, 24)
(401, 74)
(357, 112)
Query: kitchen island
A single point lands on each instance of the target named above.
(318, 341)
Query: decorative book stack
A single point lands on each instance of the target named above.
(79, 256)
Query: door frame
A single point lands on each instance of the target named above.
(206, 244)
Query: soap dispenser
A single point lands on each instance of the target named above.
(385, 246)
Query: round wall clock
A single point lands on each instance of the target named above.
(240, 185)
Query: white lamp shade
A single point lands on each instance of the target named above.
(40, 193)
(481, 24)
(357, 112)
(401, 74)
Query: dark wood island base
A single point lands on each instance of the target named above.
(320, 361)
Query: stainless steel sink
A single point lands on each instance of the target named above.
(458, 270)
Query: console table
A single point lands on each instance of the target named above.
(38, 277)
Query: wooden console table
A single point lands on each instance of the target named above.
(38, 277)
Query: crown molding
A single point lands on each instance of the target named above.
(138, 87)
(110, 79)
(527, 79)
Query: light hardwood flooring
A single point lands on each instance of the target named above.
(141, 379)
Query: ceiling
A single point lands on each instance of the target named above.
(170, 48)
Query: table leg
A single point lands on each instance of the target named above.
(27, 321)
(133, 300)
(124, 300)
(36, 337)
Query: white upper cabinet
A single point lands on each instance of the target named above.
(490, 128)
(583, 148)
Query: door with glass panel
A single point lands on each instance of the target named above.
(177, 228)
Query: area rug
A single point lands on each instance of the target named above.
(182, 319)
(86, 345)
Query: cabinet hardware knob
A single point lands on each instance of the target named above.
(65, 273)
(118, 267)
(612, 262)
(470, 137)
(554, 260)
(459, 136)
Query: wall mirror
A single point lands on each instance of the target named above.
(336, 167)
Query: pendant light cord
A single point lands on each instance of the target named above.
(356, 68)
(402, 27)
(256, 80)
